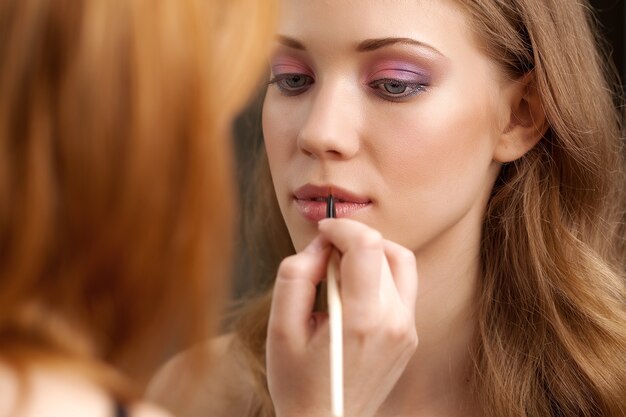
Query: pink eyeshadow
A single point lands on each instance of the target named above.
(398, 69)
(284, 65)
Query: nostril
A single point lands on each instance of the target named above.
(327, 144)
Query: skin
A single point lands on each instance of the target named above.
(57, 390)
(426, 163)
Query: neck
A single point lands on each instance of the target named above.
(435, 380)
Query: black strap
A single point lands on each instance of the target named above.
(120, 410)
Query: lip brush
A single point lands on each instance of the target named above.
(336, 325)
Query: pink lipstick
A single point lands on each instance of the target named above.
(312, 202)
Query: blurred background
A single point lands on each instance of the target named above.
(612, 16)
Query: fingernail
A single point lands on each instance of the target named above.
(323, 221)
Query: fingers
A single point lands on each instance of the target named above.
(361, 258)
(373, 270)
(404, 272)
(378, 286)
(294, 292)
(376, 276)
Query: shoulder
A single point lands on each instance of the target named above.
(43, 391)
(144, 409)
(222, 386)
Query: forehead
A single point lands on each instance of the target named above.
(343, 23)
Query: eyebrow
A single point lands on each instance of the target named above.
(291, 42)
(367, 45)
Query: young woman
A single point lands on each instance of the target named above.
(115, 190)
(481, 137)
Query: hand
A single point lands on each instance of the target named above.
(378, 280)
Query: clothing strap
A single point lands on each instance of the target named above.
(120, 410)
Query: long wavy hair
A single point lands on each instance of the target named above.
(116, 202)
(551, 332)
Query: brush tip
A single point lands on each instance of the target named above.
(330, 207)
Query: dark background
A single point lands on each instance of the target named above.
(612, 14)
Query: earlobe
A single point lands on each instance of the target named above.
(527, 121)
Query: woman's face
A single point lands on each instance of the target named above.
(391, 105)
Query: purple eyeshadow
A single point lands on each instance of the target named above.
(400, 70)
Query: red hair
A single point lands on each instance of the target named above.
(116, 205)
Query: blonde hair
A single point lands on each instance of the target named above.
(552, 303)
(116, 205)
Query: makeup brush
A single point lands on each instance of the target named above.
(336, 325)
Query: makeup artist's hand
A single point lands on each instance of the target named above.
(378, 291)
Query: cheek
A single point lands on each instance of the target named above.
(439, 159)
(275, 133)
(442, 141)
(274, 139)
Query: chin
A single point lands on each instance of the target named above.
(300, 237)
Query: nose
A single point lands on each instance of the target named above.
(330, 129)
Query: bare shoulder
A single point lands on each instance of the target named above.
(43, 391)
(222, 387)
(144, 409)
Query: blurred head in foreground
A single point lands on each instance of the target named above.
(115, 175)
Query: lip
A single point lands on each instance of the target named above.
(310, 201)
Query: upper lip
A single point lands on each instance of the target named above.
(313, 192)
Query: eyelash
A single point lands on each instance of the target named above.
(413, 87)
(377, 85)
(281, 80)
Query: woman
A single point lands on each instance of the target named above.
(479, 135)
(115, 190)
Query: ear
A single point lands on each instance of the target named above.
(526, 121)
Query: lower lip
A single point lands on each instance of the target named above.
(316, 210)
